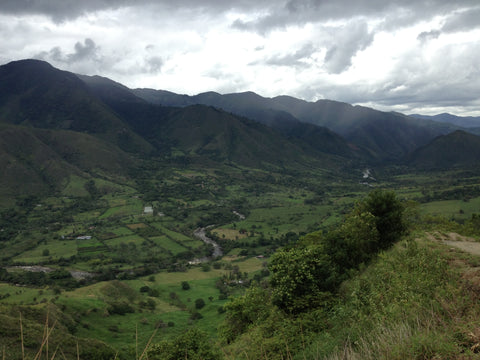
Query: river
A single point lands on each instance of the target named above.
(200, 233)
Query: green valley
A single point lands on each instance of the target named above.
(131, 229)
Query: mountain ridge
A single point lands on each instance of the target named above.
(457, 149)
(92, 126)
(382, 136)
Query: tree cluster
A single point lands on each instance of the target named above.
(304, 275)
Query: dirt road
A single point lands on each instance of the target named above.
(463, 243)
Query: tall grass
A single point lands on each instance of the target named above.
(410, 304)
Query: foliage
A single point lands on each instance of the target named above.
(245, 311)
(304, 275)
(300, 278)
(409, 304)
(387, 209)
(193, 344)
(353, 243)
(199, 304)
(58, 185)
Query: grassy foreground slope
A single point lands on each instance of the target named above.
(418, 300)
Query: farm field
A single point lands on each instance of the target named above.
(131, 265)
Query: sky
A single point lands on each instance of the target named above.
(408, 56)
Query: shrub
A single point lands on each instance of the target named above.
(199, 304)
(193, 345)
(145, 289)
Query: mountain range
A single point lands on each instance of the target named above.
(381, 136)
(469, 122)
(55, 123)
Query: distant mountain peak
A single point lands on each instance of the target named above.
(463, 121)
(458, 148)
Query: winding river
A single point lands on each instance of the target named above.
(200, 233)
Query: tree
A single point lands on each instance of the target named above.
(304, 276)
(244, 311)
(91, 188)
(301, 278)
(199, 304)
(185, 285)
(354, 242)
(388, 211)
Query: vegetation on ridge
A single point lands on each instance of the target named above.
(104, 222)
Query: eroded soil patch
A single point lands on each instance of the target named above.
(464, 243)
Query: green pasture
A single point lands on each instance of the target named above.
(24, 295)
(199, 289)
(67, 229)
(88, 243)
(131, 207)
(75, 186)
(202, 202)
(88, 215)
(135, 239)
(56, 249)
(274, 221)
(192, 244)
(122, 331)
(91, 303)
(113, 189)
(453, 209)
(172, 234)
(168, 244)
(119, 231)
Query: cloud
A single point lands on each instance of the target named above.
(458, 21)
(293, 59)
(429, 35)
(83, 51)
(86, 51)
(276, 13)
(449, 78)
(63, 10)
(391, 13)
(349, 40)
(153, 64)
(465, 20)
(374, 52)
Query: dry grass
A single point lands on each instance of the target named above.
(230, 234)
(136, 226)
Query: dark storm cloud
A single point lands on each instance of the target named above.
(336, 30)
(405, 12)
(274, 14)
(61, 10)
(280, 12)
(463, 20)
